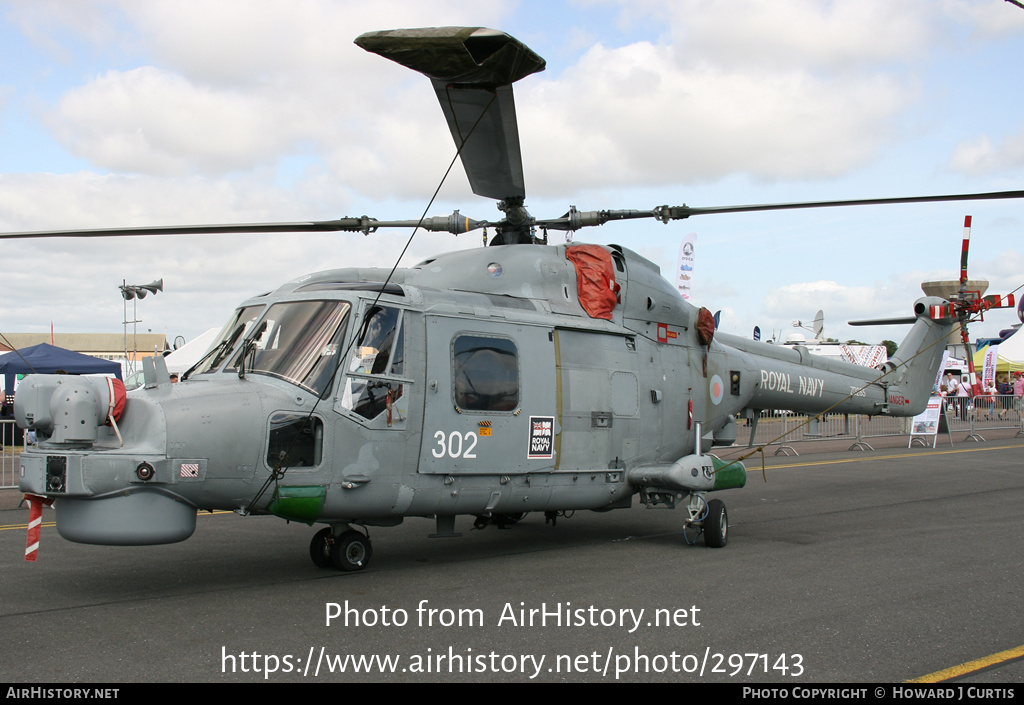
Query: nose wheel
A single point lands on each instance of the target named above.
(708, 518)
(348, 551)
(716, 525)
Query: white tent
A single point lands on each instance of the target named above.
(1013, 349)
(191, 352)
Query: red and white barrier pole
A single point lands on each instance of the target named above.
(35, 520)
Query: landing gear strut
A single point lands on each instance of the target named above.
(709, 518)
(348, 551)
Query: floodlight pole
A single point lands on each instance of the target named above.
(135, 292)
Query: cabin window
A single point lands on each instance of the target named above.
(295, 441)
(485, 373)
(379, 355)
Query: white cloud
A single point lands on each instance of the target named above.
(843, 35)
(631, 116)
(986, 20)
(237, 85)
(838, 301)
(777, 90)
(152, 122)
(248, 82)
(980, 156)
(243, 41)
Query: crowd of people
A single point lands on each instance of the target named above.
(1002, 399)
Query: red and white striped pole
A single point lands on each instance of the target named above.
(35, 520)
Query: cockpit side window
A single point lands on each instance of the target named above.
(295, 441)
(378, 358)
(376, 340)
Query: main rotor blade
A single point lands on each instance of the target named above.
(461, 55)
(679, 212)
(574, 220)
(472, 70)
(483, 126)
(346, 224)
(454, 223)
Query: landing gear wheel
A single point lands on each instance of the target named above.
(716, 526)
(320, 548)
(351, 551)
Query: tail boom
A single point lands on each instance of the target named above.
(798, 381)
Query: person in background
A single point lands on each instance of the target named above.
(963, 398)
(1005, 395)
(989, 398)
(1018, 393)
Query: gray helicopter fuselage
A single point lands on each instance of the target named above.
(473, 383)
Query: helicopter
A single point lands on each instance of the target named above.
(518, 377)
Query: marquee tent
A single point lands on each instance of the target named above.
(47, 359)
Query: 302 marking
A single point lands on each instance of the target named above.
(455, 445)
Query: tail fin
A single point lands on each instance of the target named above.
(912, 370)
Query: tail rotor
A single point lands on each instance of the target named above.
(970, 306)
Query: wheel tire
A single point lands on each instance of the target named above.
(320, 548)
(351, 551)
(716, 526)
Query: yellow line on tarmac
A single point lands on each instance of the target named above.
(13, 527)
(891, 457)
(971, 666)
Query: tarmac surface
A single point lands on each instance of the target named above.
(841, 567)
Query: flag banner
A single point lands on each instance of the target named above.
(684, 267)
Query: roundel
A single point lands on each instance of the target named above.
(717, 389)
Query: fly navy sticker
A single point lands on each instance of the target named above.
(542, 435)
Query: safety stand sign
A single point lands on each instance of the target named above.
(927, 423)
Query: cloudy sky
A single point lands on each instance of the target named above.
(118, 113)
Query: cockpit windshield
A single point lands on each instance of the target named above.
(236, 329)
(299, 341)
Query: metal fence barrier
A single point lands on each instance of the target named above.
(964, 415)
(10, 435)
(996, 411)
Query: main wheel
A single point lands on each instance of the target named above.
(716, 526)
(320, 548)
(351, 551)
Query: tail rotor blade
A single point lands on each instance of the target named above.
(884, 321)
(963, 254)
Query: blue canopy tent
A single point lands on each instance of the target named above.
(47, 359)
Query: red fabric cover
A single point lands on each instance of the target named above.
(595, 278)
(120, 397)
(705, 326)
(705, 333)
